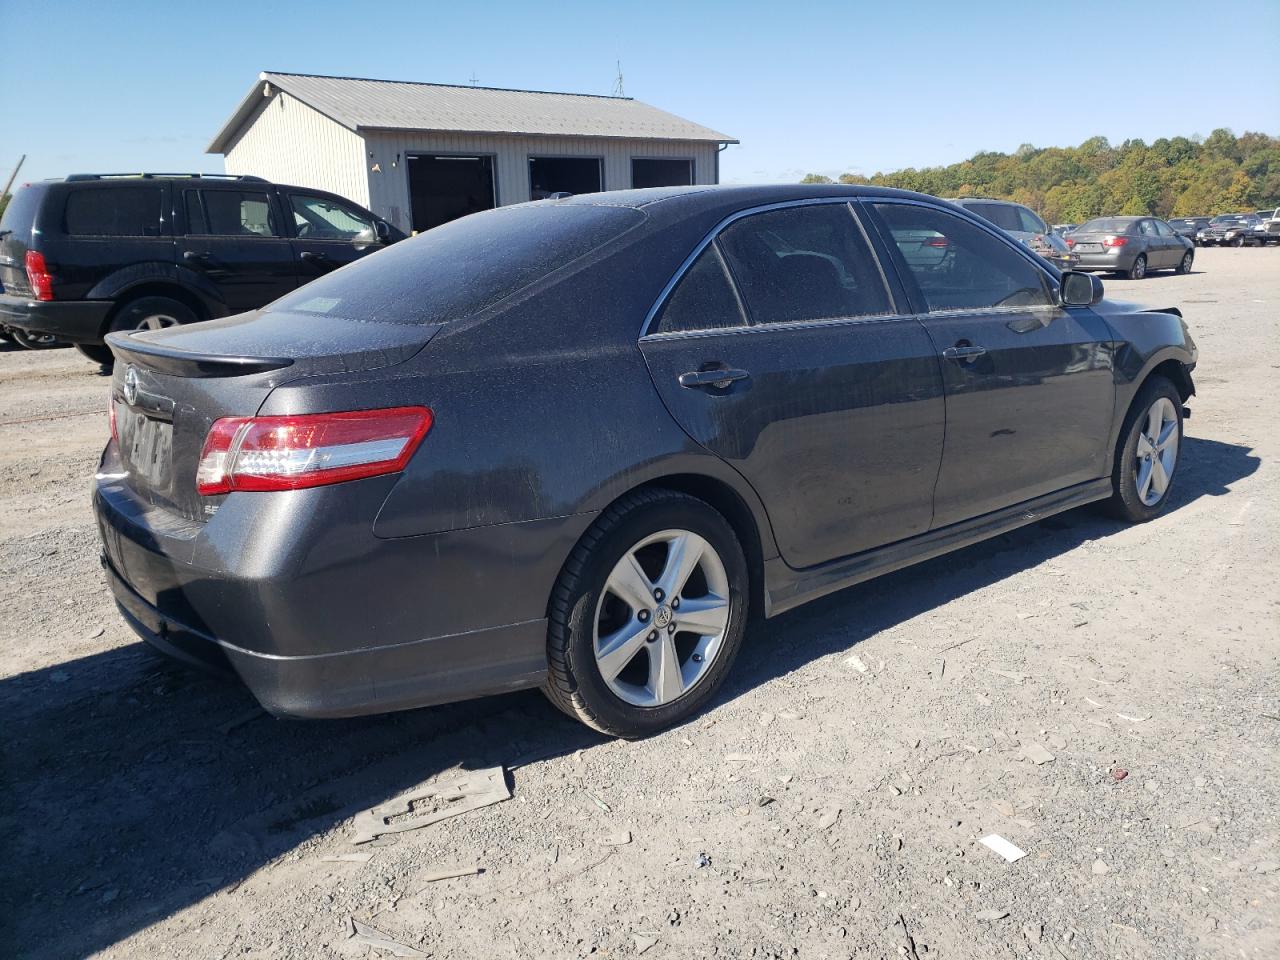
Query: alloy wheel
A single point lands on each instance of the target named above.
(1139, 268)
(1157, 451)
(661, 618)
(156, 321)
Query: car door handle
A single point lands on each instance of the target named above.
(312, 257)
(720, 377)
(195, 255)
(964, 351)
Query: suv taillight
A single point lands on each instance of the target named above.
(308, 450)
(38, 276)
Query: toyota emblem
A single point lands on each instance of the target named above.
(131, 386)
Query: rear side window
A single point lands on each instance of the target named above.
(704, 299)
(804, 263)
(1003, 215)
(114, 212)
(234, 213)
(20, 214)
(959, 266)
(465, 266)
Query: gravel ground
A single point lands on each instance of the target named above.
(817, 810)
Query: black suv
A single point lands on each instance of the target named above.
(97, 253)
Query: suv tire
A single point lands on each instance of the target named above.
(661, 674)
(151, 313)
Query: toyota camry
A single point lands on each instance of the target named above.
(576, 444)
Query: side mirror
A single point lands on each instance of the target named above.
(1079, 289)
(382, 230)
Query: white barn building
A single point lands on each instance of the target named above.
(420, 154)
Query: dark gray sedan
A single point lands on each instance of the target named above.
(576, 444)
(1131, 246)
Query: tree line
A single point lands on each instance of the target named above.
(1172, 177)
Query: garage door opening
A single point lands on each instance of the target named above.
(552, 175)
(445, 188)
(661, 172)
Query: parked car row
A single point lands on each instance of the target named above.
(94, 254)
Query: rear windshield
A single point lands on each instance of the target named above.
(20, 214)
(458, 269)
(1107, 225)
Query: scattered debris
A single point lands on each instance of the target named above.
(737, 758)
(958, 643)
(1033, 932)
(1003, 847)
(1036, 753)
(911, 944)
(604, 807)
(449, 873)
(789, 715)
(96, 633)
(856, 662)
(1009, 675)
(1133, 719)
(1003, 807)
(703, 860)
(554, 853)
(239, 720)
(785, 778)
(987, 915)
(1099, 868)
(644, 941)
(1119, 773)
(372, 937)
(347, 858)
(829, 818)
(450, 795)
(619, 838)
(763, 801)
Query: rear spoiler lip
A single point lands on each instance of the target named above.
(185, 363)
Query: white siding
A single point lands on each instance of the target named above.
(389, 189)
(287, 141)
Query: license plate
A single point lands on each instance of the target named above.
(149, 446)
(1088, 247)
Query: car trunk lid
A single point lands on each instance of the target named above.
(169, 386)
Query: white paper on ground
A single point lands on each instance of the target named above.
(1003, 847)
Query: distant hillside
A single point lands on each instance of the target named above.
(1182, 176)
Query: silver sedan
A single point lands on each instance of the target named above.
(1131, 246)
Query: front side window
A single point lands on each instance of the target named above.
(1163, 228)
(232, 213)
(958, 265)
(319, 218)
(804, 263)
(114, 212)
(704, 299)
(1030, 222)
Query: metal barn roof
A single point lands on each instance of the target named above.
(360, 104)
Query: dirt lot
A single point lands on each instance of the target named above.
(815, 811)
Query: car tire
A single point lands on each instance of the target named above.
(659, 674)
(1238, 242)
(150, 313)
(99, 353)
(1184, 265)
(35, 341)
(1139, 268)
(1142, 465)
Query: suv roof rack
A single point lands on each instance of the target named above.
(178, 176)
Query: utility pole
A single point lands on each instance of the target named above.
(13, 176)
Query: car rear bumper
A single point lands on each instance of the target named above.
(76, 321)
(333, 621)
(1104, 261)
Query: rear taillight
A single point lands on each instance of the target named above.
(1115, 241)
(940, 242)
(38, 276)
(1070, 242)
(308, 450)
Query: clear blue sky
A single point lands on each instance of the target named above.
(827, 87)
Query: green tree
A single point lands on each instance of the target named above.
(815, 178)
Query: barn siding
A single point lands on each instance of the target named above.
(389, 188)
(286, 141)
